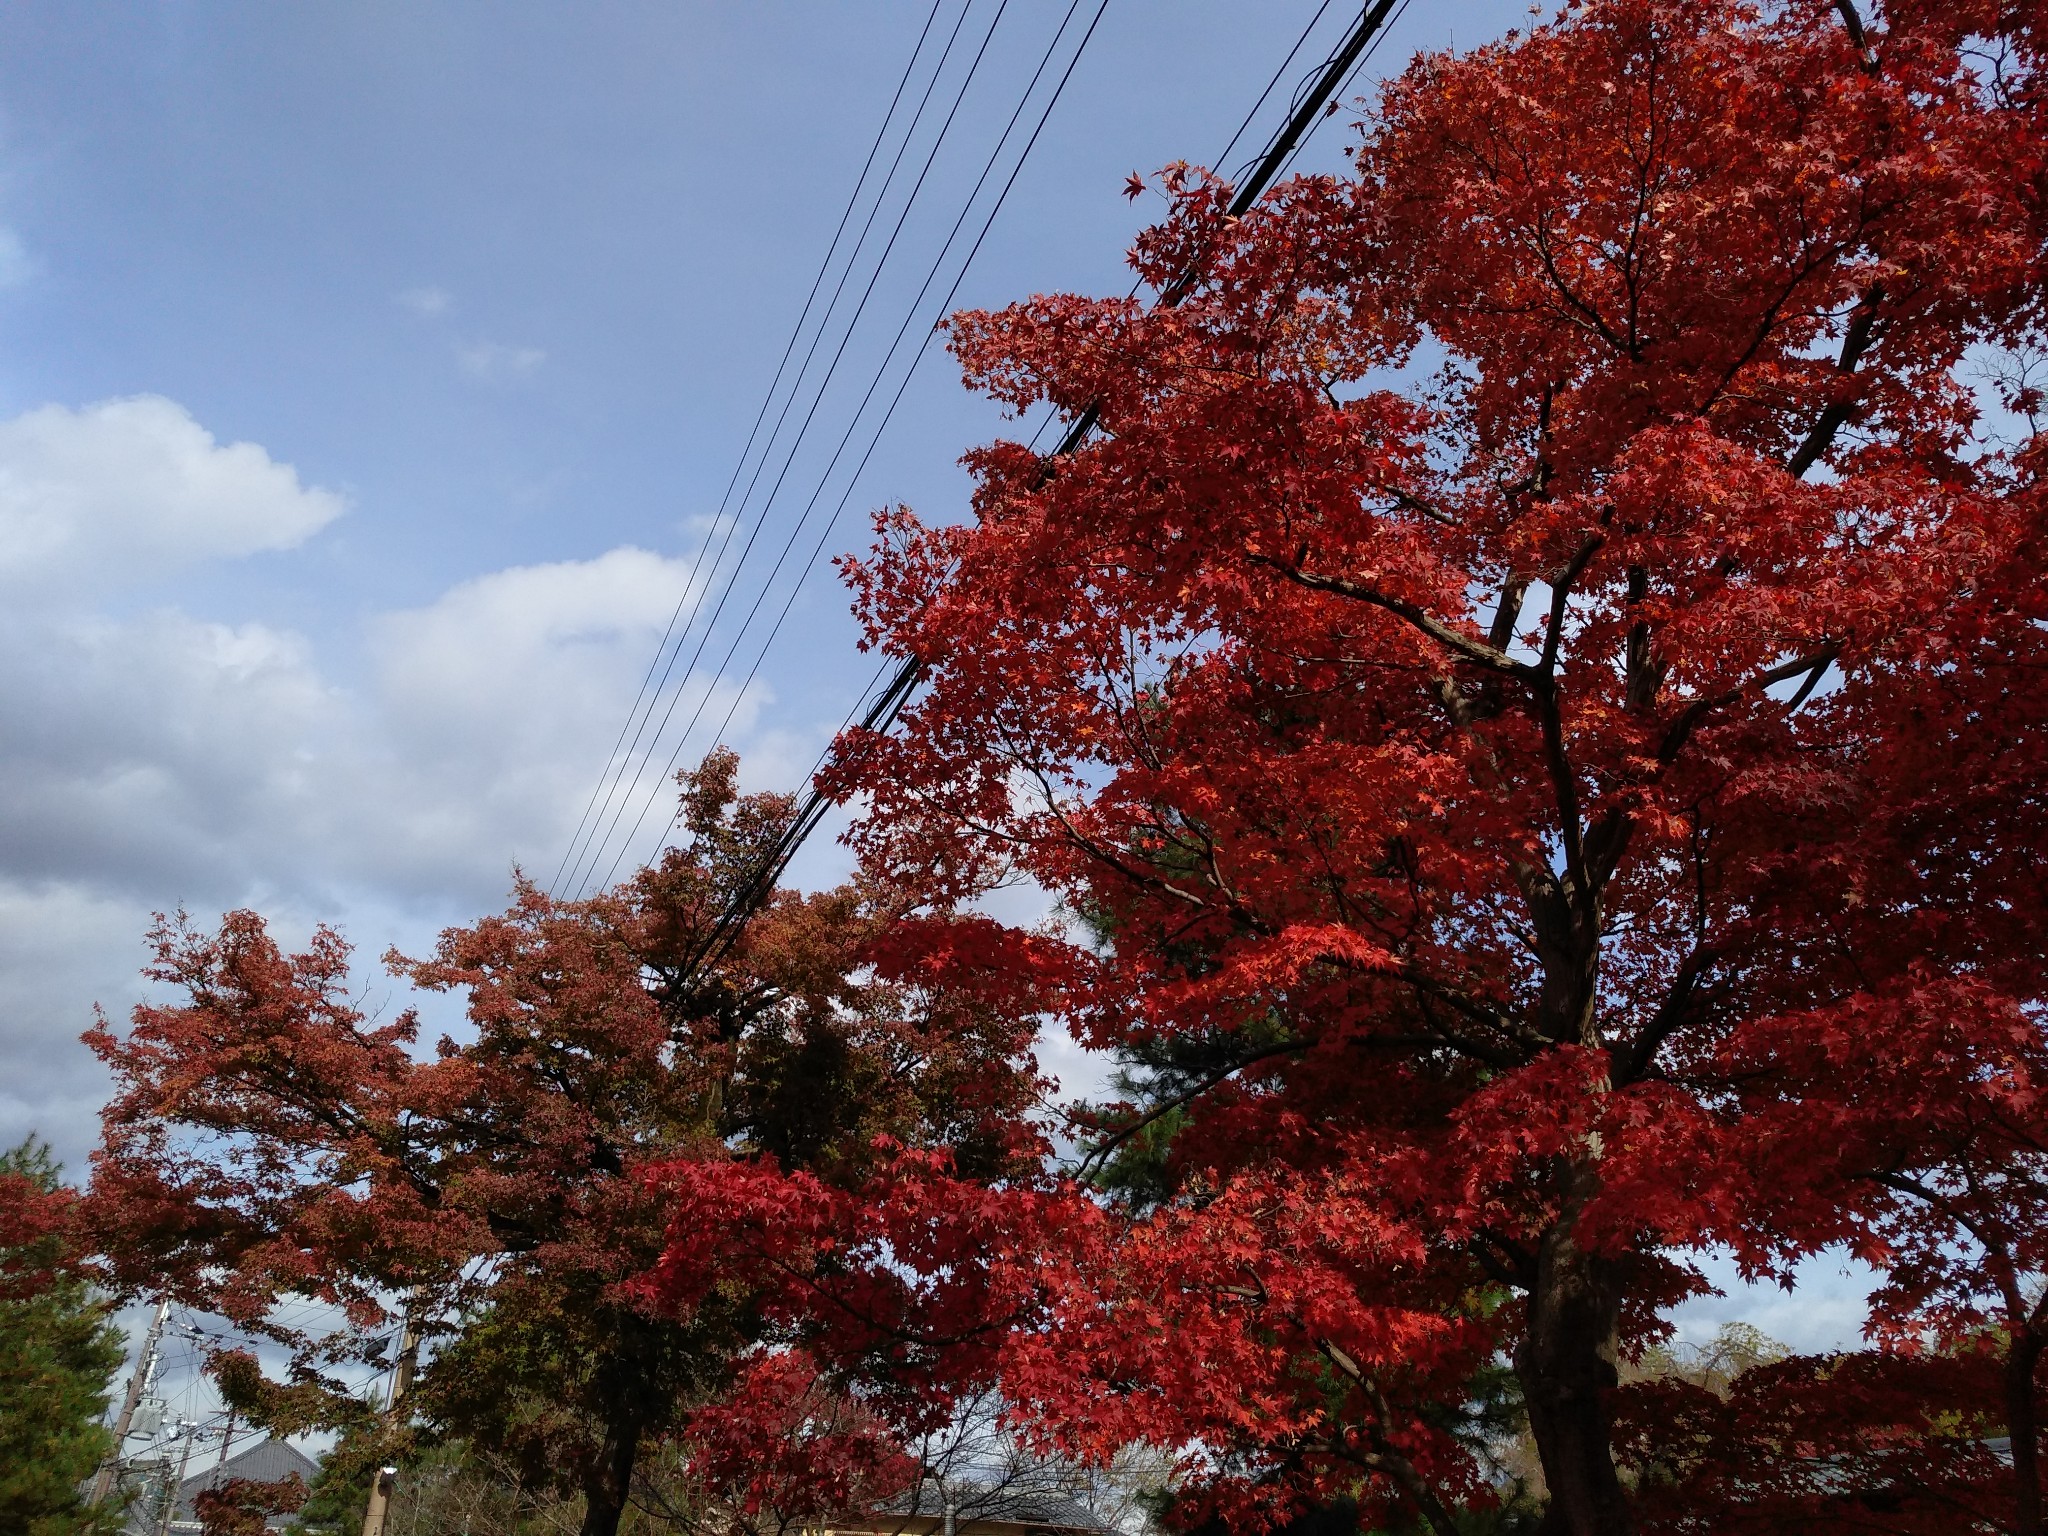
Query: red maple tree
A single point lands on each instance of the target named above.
(1545, 650)
(269, 1144)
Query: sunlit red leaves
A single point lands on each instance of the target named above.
(786, 1444)
(1533, 654)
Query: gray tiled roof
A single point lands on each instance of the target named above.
(1044, 1509)
(267, 1461)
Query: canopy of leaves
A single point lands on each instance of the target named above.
(269, 1141)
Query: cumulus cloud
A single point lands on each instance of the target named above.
(426, 302)
(159, 756)
(98, 496)
(506, 693)
(62, 946)
(385, 779)
(492, 362)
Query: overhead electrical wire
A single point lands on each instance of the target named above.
(943, 308)
(1306, 111)
(609, 782)
(1343, 90)
(760, 520)
(803, 430)
(709, 691)
(767, 400)
(594, 833)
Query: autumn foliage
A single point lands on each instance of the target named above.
(1536, 693)
(272, 1146)
(1534, 708)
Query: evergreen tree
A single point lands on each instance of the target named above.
(58, 1355)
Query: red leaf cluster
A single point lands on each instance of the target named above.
(1536, 693)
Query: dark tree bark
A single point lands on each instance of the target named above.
(610, 1479)
(1566, 1367)
(2022, 1422)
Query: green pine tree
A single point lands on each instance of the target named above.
(58, 1356)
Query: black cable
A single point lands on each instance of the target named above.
(881, 372)
(1345, 89)
(1255, 108)
(789, 459)
(720, 533)
(614, 764)
(945, 307)
(760, 597)
(1279, 153)
(782, 417)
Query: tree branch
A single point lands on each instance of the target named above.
(1383, 1457)
(1853, 24)
(1855, 341)
(1471, 650)
(1098, 1155)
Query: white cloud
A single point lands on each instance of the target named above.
(492, 362)
(62, 946)
(426, 302)
(161, 759)
(167, 758)
(1824, 1311)
(507, 693)
(17, 266)
(133, 487)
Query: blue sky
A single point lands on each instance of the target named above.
(370, 374)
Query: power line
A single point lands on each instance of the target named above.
(616, 765)
(1286, 63)
(944, 307)
(1343, 90)
(1279, 153)
(608, 818)
(789, 459)
(875, 382)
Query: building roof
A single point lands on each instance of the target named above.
(267, 1461)
(1031, 1509)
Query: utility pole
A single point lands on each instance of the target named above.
(386, 1478)
(170, 1509)
(103, 1482)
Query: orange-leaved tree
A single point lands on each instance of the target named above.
(271, 1145)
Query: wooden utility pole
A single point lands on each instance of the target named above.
(103, 1481)
(170, 1510)
(386, 1478)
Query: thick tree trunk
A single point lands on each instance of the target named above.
(2022, 1422)
(610, 1480)
(1566, 1366)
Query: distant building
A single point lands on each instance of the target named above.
(268, 1461)
(978, 1512)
